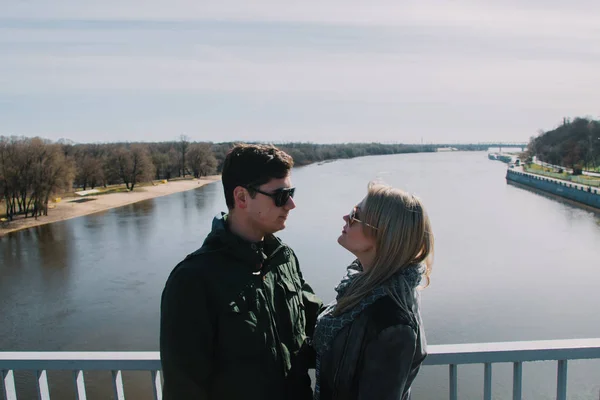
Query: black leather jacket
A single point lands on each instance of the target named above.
(377, 356)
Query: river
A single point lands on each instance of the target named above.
(510, 264)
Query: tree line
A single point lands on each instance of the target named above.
(32, 170)
(574, 144)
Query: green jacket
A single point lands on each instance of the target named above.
(230, 329)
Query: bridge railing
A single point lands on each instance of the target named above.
(487, 354)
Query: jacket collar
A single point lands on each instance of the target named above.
(252, 254)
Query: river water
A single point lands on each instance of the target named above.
(510, 264)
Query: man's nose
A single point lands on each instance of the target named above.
(291, 204)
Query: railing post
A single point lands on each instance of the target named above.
(79, 385)
(118, 385)
(453, 382)
(487, 384)
(517, 380)
(156, 385)
(561, 380)
(8, 384)
(42, 385)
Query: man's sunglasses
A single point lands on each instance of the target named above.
(279, 196)
(353, 217)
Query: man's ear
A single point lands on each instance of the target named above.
(240, 197)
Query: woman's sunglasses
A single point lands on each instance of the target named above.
(280, 196)
(353, 217)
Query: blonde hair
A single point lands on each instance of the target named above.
(403, 238)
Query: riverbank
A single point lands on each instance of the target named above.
(583, 194)
(73, 207)
(565, 175)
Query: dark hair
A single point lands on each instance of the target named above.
(253, 165)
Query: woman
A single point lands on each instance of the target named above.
(370, 341)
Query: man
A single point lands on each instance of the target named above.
(236, 313)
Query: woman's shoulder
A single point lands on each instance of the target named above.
(385, 313)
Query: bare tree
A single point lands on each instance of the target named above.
(174, 163)
(201, 160)
(161, 164)
(53, 173)
(133, 165)
(89, 170)
(7, 175)
(183, 144)
(31, 171)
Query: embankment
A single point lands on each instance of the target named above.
(586, 195)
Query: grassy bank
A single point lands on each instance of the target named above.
(549, 172)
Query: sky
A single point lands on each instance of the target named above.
(324, 71)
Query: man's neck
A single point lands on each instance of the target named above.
(240, 227)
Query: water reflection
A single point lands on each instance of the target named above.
(143, 221)
(96, 220)
(48, 246)
(143, 208)
(55, 244)
(207, 198)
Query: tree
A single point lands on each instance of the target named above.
(89, 168)
(201, 160)
(161, 164)
(183, 145)
(31, 171)
(570, 144)
(174, 163)
(110, 168)
(53, 173)
(133, 164)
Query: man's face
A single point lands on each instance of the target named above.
(263, 214)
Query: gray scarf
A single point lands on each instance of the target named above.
(328, 325)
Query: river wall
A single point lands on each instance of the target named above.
(579, 193)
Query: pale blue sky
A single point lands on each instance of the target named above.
(280, 70)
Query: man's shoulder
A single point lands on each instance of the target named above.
(197, 264)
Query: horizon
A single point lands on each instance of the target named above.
(328, 73)
(276, 143)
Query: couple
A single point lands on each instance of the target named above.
(238, 321)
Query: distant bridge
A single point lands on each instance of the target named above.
(480, 146)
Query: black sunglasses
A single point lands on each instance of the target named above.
(279, 196)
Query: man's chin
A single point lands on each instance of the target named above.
(277, 227)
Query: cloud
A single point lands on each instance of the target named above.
(341, 67)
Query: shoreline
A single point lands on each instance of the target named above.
(585, 195)
(68, 208)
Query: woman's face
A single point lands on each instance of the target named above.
(353, 237)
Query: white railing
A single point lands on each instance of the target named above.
(512, 352)
(78, 362)
(452, 355)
